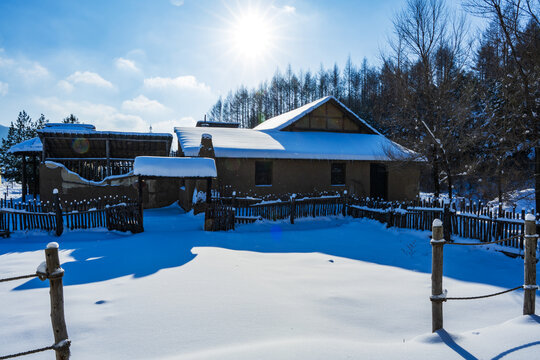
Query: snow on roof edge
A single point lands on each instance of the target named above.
(304, 110)
(30, 145)
(181, 167)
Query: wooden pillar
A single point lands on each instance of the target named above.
(24, 178)
(344, 205)
(438, 295)
(55, 274)
(529, 296)
(293, 207)
(208, 190)
(58, 213)
(140, 196)
(35, 178)
(43, 150)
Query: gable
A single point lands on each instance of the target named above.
(328, 117)
(326, 114)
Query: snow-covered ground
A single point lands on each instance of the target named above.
(326, 288)
(10, 190)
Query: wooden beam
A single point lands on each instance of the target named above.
(24, 178)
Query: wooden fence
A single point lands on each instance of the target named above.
(249, 210)
(110, 212)
(464, 220)
(439, 294)
(219, 217)
(50, 269)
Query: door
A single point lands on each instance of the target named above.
(378, 182)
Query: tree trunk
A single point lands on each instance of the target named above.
(537, 177)
(435, 173)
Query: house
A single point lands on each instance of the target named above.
(84, 163)
(321, 147)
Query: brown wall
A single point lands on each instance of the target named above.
(328, 117)
(71, 187)
(305, 177)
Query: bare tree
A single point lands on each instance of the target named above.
(514, 18)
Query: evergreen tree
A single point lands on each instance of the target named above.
(71, 119)
(22, 129)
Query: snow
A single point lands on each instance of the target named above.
(282, 121)
(31, 145)
(325, 288)
(60, 128)
(52, 245)
(174, 166)
(530, 217)
(437, 222)
(250, 143)
(10, 190)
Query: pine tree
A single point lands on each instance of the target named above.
(71, 119)
(22, 129)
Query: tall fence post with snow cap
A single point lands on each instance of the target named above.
(58, 213)
(293, 207)
(344, 205)
(530, 286)
(438, 295)
(55, 274)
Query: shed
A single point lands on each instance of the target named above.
(31, 148)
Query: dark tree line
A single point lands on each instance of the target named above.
(22, 129)
(470, 108)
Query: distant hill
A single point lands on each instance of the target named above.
(3, 131)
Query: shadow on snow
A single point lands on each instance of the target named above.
(170, 235)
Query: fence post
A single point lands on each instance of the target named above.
(58, 213)
(55, 274)
(293, 207)
(438, 296)
(447, 221)
(530, 286)
(344, 206)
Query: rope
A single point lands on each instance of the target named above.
(52, 347)
(484, 296)
(17, 278)
(486, 243)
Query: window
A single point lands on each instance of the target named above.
(337, 174)
(263, 173)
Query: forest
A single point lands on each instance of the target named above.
(465, 100)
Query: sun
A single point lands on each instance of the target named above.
(252, 33)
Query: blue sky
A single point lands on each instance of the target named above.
(129, 64)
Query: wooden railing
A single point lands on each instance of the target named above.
(107, 212)
(249, 210)
(50, 269)
(96, 169)
(468, 221)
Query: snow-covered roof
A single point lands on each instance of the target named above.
(282, 121)
(251, 143)
(183, 167)
(62, 127)
(88, 129)
(31, 145)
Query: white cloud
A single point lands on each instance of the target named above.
(33, 70)
(188, 82)
(126, 64)
(142, 104)
(5, 62)
(65, 86)
(3, 88)
(167, 126)
(177, 2)
(104, 117)
(89, 78)
(289, 9)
